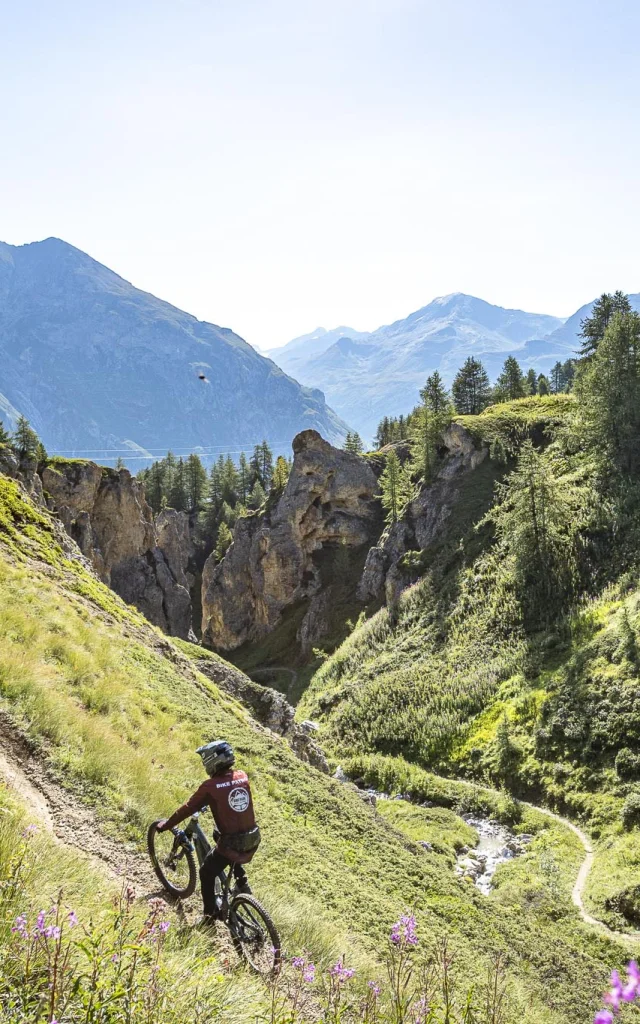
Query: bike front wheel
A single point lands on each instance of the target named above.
(172, 861)
(254, 934)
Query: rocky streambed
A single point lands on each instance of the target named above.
(496, 845)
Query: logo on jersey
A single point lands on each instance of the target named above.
(238, 800)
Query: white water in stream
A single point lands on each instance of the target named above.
(496, 845)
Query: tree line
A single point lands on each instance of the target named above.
(566, 515)
(216, 498)
(471, 392)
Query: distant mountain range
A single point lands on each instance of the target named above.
(366, 376)
(95, 363)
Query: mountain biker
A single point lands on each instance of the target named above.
(228, 793)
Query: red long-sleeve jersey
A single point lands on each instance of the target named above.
(229, 797)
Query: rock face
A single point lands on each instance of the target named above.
(106, 513)
(270, 709)
(425, 520)
(274, 562)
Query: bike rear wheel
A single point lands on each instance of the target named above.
(254, 934)
(174, 865)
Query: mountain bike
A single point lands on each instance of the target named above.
(173, 856)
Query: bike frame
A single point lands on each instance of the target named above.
(195, 836)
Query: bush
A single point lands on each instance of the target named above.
(631, 810)
(627, 764)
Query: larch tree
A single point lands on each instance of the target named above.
(532, 382)
(396, 488)
(196, 483)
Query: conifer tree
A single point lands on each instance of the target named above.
(280, 474)
(557, 379)
(223, 541)
(196, 483)
(353, 443)
(25, 442)
(568, 374)
(532, 382)
(383, 433)
(396, 488)
(534, 520)
(592, 328)
(5, 438)
(154, 485)
(471, 388)
(243, 478)
(609, 393)
(257, 496)
(120, 463)
(511, 383)
(427, 424)
(230, 482)
(434, 395)
(177, 497)
(543, 385)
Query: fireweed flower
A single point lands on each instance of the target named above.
(309, 973)
(403, 931)
(619, 993)
(164, 926)
(340, 972)
(30, 830)
(298, 962)
(603, 1017)
(40, 925)
(20, 926)
(52, 932)
(375, 988)
(72, 919)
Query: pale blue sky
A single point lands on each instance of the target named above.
(272, 166)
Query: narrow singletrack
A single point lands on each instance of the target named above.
(577, 892)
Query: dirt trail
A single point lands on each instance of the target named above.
(70, 821)
(577, 892)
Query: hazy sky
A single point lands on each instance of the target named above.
(275, 165)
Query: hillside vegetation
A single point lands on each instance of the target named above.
(114, 712)
(514, 660)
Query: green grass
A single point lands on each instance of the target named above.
(117, 711)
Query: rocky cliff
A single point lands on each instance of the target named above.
(145, 562)
(278, 559)
(328, 506)
(424, 521)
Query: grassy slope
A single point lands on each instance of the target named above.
(117, 712)
(437, 687)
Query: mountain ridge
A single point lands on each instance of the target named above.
(67, 322)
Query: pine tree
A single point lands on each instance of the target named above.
(223, 541)
(353, 443)
(532, 382)
(427, 423)
(154, 485)
(177, 497)
(568, 374)
(557, 379)
(230, 481)
(120, 463)
(609, 393)
(471, 388)
(195, 483)
(396, 487)
(434, 395)
(243, 478)
(511, 383)
(266, 465)
(592, 328)
(280, 474)
(257, 497)
(5, 438)
(383, 433)
(25, 442)
(543, 385)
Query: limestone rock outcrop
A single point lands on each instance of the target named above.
(105, 512)
(425, 520)
(274, 562)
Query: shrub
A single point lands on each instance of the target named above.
(627, 764)
(631, 810)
